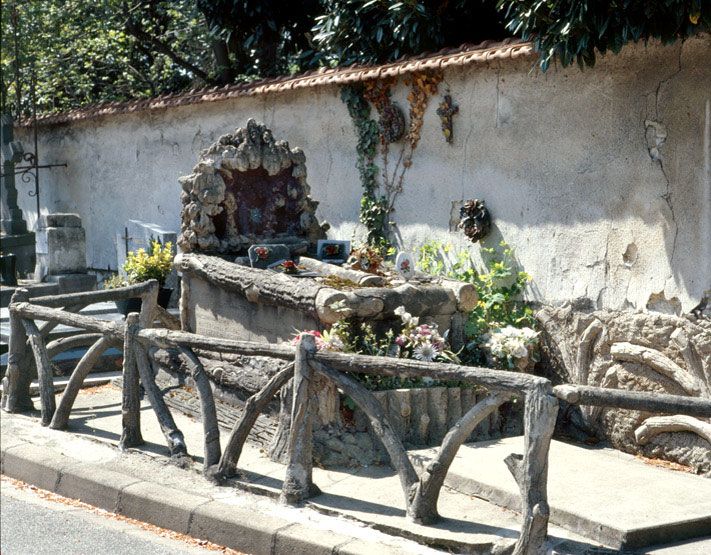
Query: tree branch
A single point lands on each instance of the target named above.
(134, 29)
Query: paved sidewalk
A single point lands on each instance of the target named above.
(353, 514)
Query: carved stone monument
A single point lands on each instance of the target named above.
(16, 239)
(248, 188)
(61, 253)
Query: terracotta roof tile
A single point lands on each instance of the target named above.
(447, 57)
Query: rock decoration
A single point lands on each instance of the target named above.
(246, 188)
(652, 352)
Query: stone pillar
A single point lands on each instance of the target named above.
(16, 239)
(61, 253)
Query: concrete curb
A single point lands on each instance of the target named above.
(198, 516)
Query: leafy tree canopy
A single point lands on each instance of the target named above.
(572, 30)
(84, 52)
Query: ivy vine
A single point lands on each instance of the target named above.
(373, 205)
(378, 202)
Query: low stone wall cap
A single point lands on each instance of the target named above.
(60, 220)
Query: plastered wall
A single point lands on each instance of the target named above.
(600, 179)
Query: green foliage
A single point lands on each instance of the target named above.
(360, 337)
(88, 52)
(375, 31)
(572, 29)
(141, 266)
(498, 285)
(114, 282)
(260, 37)
(374, 210)
(82, 53)
(500, 290)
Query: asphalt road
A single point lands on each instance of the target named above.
(33, 525)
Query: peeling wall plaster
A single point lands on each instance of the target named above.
(574, 166)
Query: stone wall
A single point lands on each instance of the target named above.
(600, 178)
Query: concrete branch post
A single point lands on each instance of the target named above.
(149, 301)
(130, 395)
(16, 389)
(298, 483)
(530, 470)
(44, 371)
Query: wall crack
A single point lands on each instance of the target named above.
(655, 134)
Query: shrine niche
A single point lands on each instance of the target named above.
(247, 188)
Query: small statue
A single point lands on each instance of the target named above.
(474, 219)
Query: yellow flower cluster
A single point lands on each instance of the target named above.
(141, 266)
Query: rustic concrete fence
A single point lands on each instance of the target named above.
(421, 491)
(27, 339)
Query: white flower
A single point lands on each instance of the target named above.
(427, 381)
(517, 348)
(335, 344)
(529, 335)
(425, 352)
(406, 317)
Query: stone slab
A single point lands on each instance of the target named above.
(599, 493)
(35, 290)
(59, 220)
(166, 507)
(33, 464)
(236, 528)
(298, 539)
(100, 488)
(73, 283)
(60, 250)
(22, 246)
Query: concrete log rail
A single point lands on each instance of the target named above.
(311, 297)
(682, 414)
(633, 400)
(100, 335)
(530, 470)
(420, 491)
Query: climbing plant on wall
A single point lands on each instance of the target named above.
(379, 195)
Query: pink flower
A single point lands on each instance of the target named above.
(400, 340)
(424, 329)
(320, 343)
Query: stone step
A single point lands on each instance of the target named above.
(600, 493)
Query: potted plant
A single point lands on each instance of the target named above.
(142, 266)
